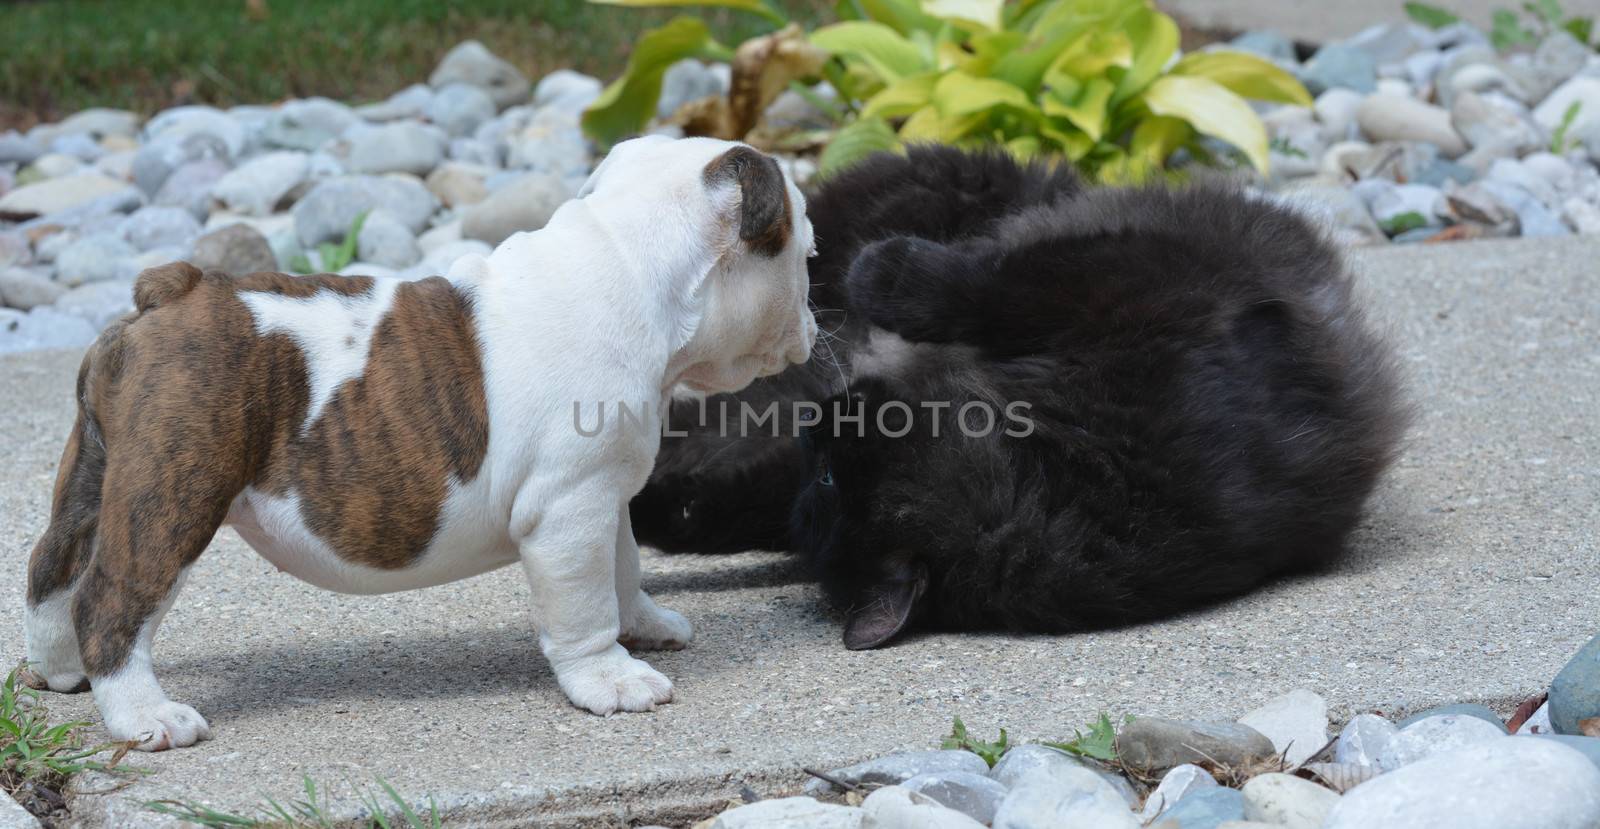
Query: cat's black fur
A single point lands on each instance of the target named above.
(1208, 407)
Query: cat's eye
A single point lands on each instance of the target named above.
(824, 473)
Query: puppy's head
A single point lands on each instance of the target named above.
(746, 224)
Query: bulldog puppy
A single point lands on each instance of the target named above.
(370, 435)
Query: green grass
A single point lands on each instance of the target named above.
(390, 811)
(1098, 744)
(37, 753)
(64, 55)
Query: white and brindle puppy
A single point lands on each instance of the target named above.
(371, 435)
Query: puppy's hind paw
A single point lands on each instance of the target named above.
(158, 726)
(613, 681)
(657, 629)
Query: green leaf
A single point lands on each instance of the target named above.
(752, 6)
(1246, 75)
(1100, 743)
(1431, 16)
(625, 107)
(1157, 138)
(861, 138)
(1547, 10)
(1402, 222)
(890, 55)
(985, 13)
(1087, 110)
(904, 16)
(1155, 39)
(902, 97)
(1558, 139)
(1211, 109)
(1581, 28)
(1507, 30)
(958, 93)
(960, 741)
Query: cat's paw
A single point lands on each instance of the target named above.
(656, 629)
(875, 279)
(156, 725)
(909, 286)
(612, 681)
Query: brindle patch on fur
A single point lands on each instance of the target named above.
(765, 215)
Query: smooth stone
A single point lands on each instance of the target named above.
(235, 249)
(159, 226)
(793, 111)
(1025, 760)
(259, 185)
(474, 151)
(1460, 709)
(95, 123)
(1389, 42)
(1514, 172)
(1476, 203)
(1363, 740)
(14, 249)
(99, 302)
(1435, 735)
(1336, 110)
(1485, 125)
(43, 327)
(1157, 743)
(551, 142)
(92, 259)
(1587, 746)
(1583, 217)
(525, 204)
(1401, 199)
(1266, 43)
(400, 147)
(129, 269)
(307, 124)
(1575, 692)
(1441, 171)
(1506, 783)
(567, 91)
(1582, 90)
(1460, 33)
(385, 240)
(189, 186)
(117, 165)
(1534, 218)
(457, 184)
(1422, 66)
(1064, 798)
(796, 812)
(1178, 783)
(1394, 86)
(1484, 78)
(437, 262)
(78, 145)
(326, 212)
(472, 63)
(1396, 118)
(902, 807)
(180, 122)
(688, 80)
(24, 289)
(1554, 170)
(439, 235)
(56, 195)
(459, 108)
(154, 162)
(1286, 800)
(1207, 808)
(894, 769)
(51, 165)
(1336, 66)
(48, 248)
(410, 102)
(1560, 56)
(16, 148)
(972, 794)
(1296, 723)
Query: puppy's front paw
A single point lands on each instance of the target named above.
(657, 629)
(613, 681)
(158, 726)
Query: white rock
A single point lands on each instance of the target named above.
(1433, 735)
(1485, 78)
(1342, 212)
(787, 812)
(92, 259)
(1584, 218)
(970, 793)
(410, 102)
(43, 327)
(308, 124)
(1286, 800)
(459, 108)
(457, 184)
(55, 165)
(189, 186)
(1176, 783)
(1539, 722)
(385, 240)
(55, 195)
(891, 769)
(525, 204)
(1296, 723)
(78, 146)
(1398, 118)
(129, 269)
(1554, 170)
(180, 122)
(1555, 787)
(367, 269)
(98, 303)
(439, 236)
(159, 226)
(1363, 739)
(95, 123)
(154, 162)
(257, 186)
(13, 249)
(1336, 109)
(1514, 172)
(1428, 202)
(1395, 86)
(401, 147)
(896, 807)
(688, 80)
(326, 212)
(1421, 67)
(1070, 797)
(25, 289)
(1560, 56)
(1582, 90)
(16, 148)
(567, 90)
(1485, 125)
(551, 142)
(472, 63)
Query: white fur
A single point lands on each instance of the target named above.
(635, 288)
(132, 703)
(52, 641)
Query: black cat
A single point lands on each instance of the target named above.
(1084, 408)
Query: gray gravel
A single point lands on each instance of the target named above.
(1473, 581)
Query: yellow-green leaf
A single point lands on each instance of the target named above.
(901, 98)
(1157, 137)
(1087, 109)
(1246, 75)
(1155, 38)
(883, 49)
(861, 138)
(1024, 147)
(1211, 109)
(985, 13)
(1089, 56)
(625, 107)
(904, 16)
(928, 125)
(754, 6)
(958, 94)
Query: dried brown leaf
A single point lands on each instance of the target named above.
(1589, 727)
(1527, 709)
(1341, 777)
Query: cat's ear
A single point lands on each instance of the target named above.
(764, 217)
(884, 609)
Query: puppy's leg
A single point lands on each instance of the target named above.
(154, 522)
(60, 557)
(570, 558)
(645, 626)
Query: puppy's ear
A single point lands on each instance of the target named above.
(884, 609)
(764, 215)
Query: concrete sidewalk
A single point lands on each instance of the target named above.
(1475, 579)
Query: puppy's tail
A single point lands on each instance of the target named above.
(157, 286)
